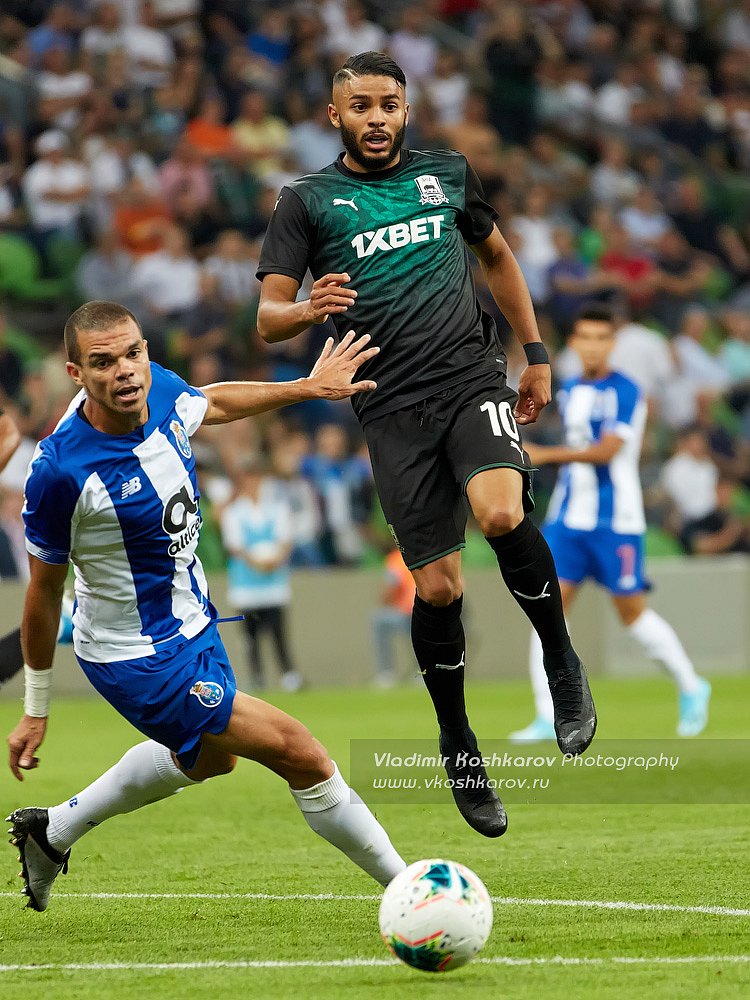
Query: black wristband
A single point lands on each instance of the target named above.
(536, 353)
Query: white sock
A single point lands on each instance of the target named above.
(145, 774)
(338, 814)
(539, 682)
(659, 641)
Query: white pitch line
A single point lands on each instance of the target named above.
(356, 963)
(603, 904)
(592, 904)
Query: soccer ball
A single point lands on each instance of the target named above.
(435, 915)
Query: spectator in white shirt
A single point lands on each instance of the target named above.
(299, 495)
(612, 180)
(537, 251)
(178, 17)
(699, 376)
(104, 36)
(56, 187)
(312, 141)
(235, 269)
(689, 479)
(448, 89)
(696, 362)
(614, 100)
(357, 34)
(645, 219)
(577, 97)
(63, 92)
(413, 48)
(115, 164)
(168, 285)
(149, 50)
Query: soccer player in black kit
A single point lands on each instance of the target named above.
(384, 231)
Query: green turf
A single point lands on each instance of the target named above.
(243, 834)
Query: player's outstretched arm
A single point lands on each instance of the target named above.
(10, 438)
(281, 317)
(41, 618)
(599, 453)
(510, 291)
(332, 377)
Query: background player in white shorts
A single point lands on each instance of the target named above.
(595, 525)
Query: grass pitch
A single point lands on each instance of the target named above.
(242, 834)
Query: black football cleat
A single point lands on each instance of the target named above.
(479, 804)
(40, 863)
(575, 715)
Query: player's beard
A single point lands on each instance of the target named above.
(352, 147)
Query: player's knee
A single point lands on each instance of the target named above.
(499, 520)
(440, 591)
(301, 756)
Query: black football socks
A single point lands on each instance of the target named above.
(528, 570)
(438, 639)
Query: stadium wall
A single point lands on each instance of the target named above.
(707, 600)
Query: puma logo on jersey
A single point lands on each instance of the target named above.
(398, 235)
(343, 201)
(131, 486)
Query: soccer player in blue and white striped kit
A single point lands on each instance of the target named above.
(114, 491)
(595, 524)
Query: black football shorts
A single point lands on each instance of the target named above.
(424, 456)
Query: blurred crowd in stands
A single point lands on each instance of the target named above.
(143, 145)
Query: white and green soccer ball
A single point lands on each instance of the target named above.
(436, 915)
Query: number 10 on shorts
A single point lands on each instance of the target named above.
(503, 423)
(501, 419)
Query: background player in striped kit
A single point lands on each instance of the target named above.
(114, 490)
(595, 525)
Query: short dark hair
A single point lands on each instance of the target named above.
(96, 315)
(597, 312)
(370, 64)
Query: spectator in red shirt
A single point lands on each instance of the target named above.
(140, 219)
(631, 265)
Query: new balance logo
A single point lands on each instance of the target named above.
(538, 597)
(450, 666)
(399, 235)
(343, 201)
(131, 486)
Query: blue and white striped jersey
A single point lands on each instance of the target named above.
(124, 509)
(588, 497)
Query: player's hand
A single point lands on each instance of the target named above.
(328, 297)
(336, 367)
(534, 392)
(23, 743)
